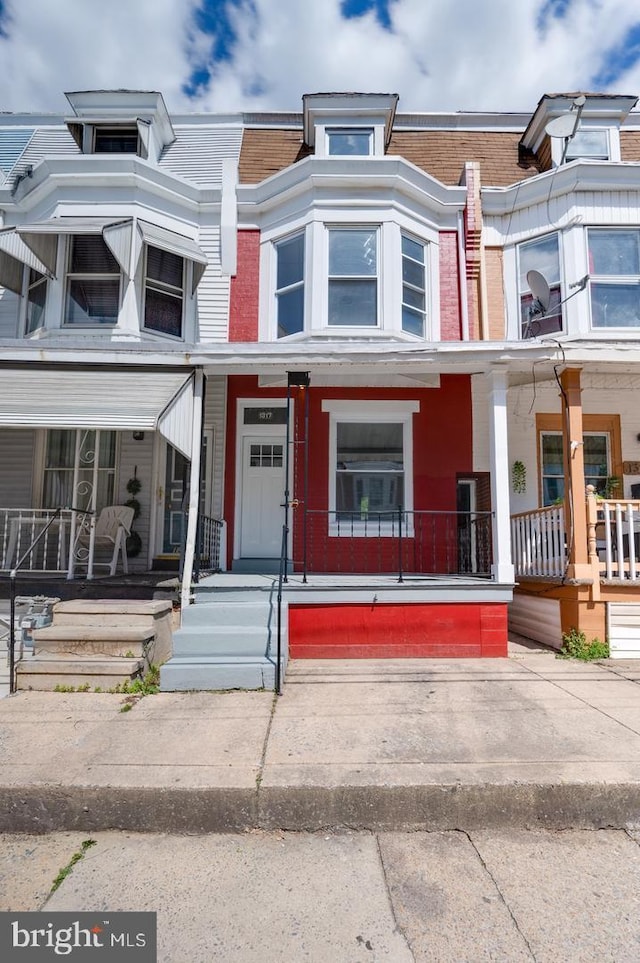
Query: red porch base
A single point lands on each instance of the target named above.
(443, 630)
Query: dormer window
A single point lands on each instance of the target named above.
(116, 140)
(588, 144)
(353, 141)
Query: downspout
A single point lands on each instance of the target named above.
(462, 279)
(194, 492)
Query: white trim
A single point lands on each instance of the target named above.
(356, 412)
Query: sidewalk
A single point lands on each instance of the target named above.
(529, 741)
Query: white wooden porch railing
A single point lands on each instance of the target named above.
(538, 542)
(613, 532)
(19, 527)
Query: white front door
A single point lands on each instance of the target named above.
(262, 516)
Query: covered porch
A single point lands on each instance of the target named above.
(84, 468)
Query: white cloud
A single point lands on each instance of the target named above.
(441, 54)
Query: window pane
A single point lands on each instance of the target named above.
(370, 464)
(589, 143)
(352, 253)
(90, 255)
(540, 255)
(116, 140)
(350, 142)
(412, 249)
(291, 312)
(615, 305)
(165, 266)
(614, 253)
(413, 322)
(413, 298)
(92, 301)
(535, 325)
(290, 261)
(163, 312)
(353, 302)
(36, 300)
(412, 273)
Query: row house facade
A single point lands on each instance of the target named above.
(392, 357)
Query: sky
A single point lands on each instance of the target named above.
(234, 55)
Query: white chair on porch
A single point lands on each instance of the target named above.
(113, 526)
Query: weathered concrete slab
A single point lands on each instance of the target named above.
(574, 895)
(29, 865)
(255, 898)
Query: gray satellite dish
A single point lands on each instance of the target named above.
(580, 101)
(562, 126)
(540, 289)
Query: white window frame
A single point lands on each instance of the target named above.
(612, 279)
(571, 156)
(163, 287)
(329, 132)
(277, 244)
(70, 275)
(374, 412)
(334, 229)
(522, 292)
(425, 290)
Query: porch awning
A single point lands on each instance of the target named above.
(14, 254)
(176, 244)
(42, 237)
(116, 400)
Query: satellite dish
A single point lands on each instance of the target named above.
(540, 289)
(562, 126)
(580, 101)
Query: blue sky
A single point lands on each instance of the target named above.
(230, 55)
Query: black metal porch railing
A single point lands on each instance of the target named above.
(397, 543)
(208, 540)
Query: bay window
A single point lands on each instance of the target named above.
(164, 292)
(353, 277)
(92, 282)
(541, 255)
(290, 285)
(614, 270)
(413, 286)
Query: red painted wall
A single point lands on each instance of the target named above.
(395, 631)
(450, 312)
(442, 447)
(243, 302)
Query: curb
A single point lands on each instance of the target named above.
(46, 809)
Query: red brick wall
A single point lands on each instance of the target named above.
(245, 288)
(450, 317)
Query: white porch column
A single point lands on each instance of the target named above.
(502, 569)
(194, 491)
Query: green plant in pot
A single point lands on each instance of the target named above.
(134, 542)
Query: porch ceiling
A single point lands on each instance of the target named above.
(106, 399)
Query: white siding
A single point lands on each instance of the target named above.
(197, 152)
(213, 291)
(9, 309)
(215, 417)
(623, 630)
(46, 142)
(536, 618)
(16, 467)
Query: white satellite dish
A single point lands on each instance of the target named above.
(562, 126)
(539, 287)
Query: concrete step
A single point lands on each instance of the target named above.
(122, 615)
(235, 612)
(227, 640)
(92, 640)
(182, 674)
(45, 672)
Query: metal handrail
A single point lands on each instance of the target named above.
(12, 590)
(281, 578)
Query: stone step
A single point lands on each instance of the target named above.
(44, 673)
(112, 611)
(93, 640)
(182, 674)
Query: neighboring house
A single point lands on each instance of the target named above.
(208, 302)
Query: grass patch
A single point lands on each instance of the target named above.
(575, 646)
(64, 872)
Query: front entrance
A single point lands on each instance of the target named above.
(263, 461)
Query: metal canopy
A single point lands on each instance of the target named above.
(42, 237)
(100, 399)
(14, 254)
